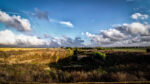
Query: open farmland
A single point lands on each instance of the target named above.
(49, 65)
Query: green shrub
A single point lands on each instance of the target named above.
(71, 52)
(100, 48)
(100, 55)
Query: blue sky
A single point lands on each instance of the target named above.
(73, 18)
(86, 15)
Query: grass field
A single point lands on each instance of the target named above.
(60, 65)
(131, 49)
(17, 49)
(31, 55)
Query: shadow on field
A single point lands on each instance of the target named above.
(120, 66)
(133, 63)
(127, 58)
(73, 64)
(89, 62)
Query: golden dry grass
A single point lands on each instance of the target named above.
(17, 49)
(32, 55)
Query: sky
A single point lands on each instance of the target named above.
(74, 23)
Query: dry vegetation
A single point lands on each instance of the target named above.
(72, 65)
(32, 56)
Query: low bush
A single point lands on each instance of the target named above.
(99, 55)
(100, 48)
(71, 52)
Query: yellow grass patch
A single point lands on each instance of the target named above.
(32, 55)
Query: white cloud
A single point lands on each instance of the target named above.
(139, 16)
(14, 21)
(137, 28)
(67, 42)
(7, 37)
(113, 34)
(67, 23)
(134, 34)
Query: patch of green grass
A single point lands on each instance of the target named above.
(130, 49)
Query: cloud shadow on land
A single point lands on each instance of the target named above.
(114, 62)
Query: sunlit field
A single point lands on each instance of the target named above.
(19, 49)
(32, 55)
(130, 49)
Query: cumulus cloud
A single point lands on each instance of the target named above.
(67, 41)
(41, 14)
(134, 34)
(139, 16)
(67, 23)
(137, 28)
(8, 38)
(14, 21)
